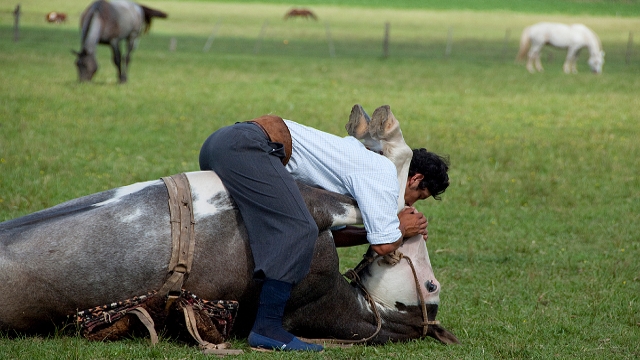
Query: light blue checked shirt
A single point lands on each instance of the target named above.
(345, 166)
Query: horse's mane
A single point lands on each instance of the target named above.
(87, 18)
(594, 38)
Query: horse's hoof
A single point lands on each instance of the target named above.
(383, 124)
(358, 125)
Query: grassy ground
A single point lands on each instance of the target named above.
(535, 243)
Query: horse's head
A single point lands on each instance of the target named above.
(404, 282)
(392, 282)
(596, 61)
(87, 65)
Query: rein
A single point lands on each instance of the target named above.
(353, 275)
(393, 259)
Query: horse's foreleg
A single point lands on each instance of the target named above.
(570, 62)
(117, 60)
(131, 44)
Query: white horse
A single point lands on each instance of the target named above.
(572, 37)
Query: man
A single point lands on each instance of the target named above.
(259, 162)
(427, 178)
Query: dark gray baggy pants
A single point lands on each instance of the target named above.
(282, 232)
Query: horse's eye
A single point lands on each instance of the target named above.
(431, 287)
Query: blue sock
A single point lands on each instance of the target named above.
(273, 299)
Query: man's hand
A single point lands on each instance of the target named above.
(413, 222)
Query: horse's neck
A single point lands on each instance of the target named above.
(593, 42)
(91, 32)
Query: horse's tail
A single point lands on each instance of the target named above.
(149, 14)
(525, 44)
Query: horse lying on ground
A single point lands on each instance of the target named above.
(156, 248)
(110, 22)
(117, 244)
(571, 37)
(56, 17)
(303, 13)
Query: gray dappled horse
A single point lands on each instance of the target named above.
(110, 22)
(117, 244)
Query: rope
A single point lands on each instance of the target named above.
(353, 275)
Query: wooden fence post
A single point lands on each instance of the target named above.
(261, 36)
(627, 58)
(447, 51)
(16, 23)
(505, 44)
(332, 49)
(385, 42)
(207, 45)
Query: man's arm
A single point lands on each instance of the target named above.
(412, 222)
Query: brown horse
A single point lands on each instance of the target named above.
(305, 13)
(56, 17)
(108, 23)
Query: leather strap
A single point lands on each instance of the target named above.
(182, 235)
(147, 321)
(277, 131)
(205, 346)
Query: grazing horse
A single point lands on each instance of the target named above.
(304, 13)
(110, 22)
(117, 244)
(572, 37)
(56, 17)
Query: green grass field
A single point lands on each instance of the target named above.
(536, 242)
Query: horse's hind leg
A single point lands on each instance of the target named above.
(539, 64)
(385, 127)
(530, 68)
(534, 58)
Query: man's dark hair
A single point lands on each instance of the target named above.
(434, 169)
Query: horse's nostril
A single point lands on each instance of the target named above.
(431, 287)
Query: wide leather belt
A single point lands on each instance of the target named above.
(276, 131)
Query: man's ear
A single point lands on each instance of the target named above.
(416, 179)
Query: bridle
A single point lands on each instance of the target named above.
(353, 275)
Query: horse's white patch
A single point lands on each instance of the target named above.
(205, 187)
(391, 284)
(127, 190)
(352, 216)
(131, 217)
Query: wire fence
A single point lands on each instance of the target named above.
(319, 39)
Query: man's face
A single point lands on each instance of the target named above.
(413, 193)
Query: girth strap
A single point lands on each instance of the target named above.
(147, 321)
(182, 235)
(182, 249)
